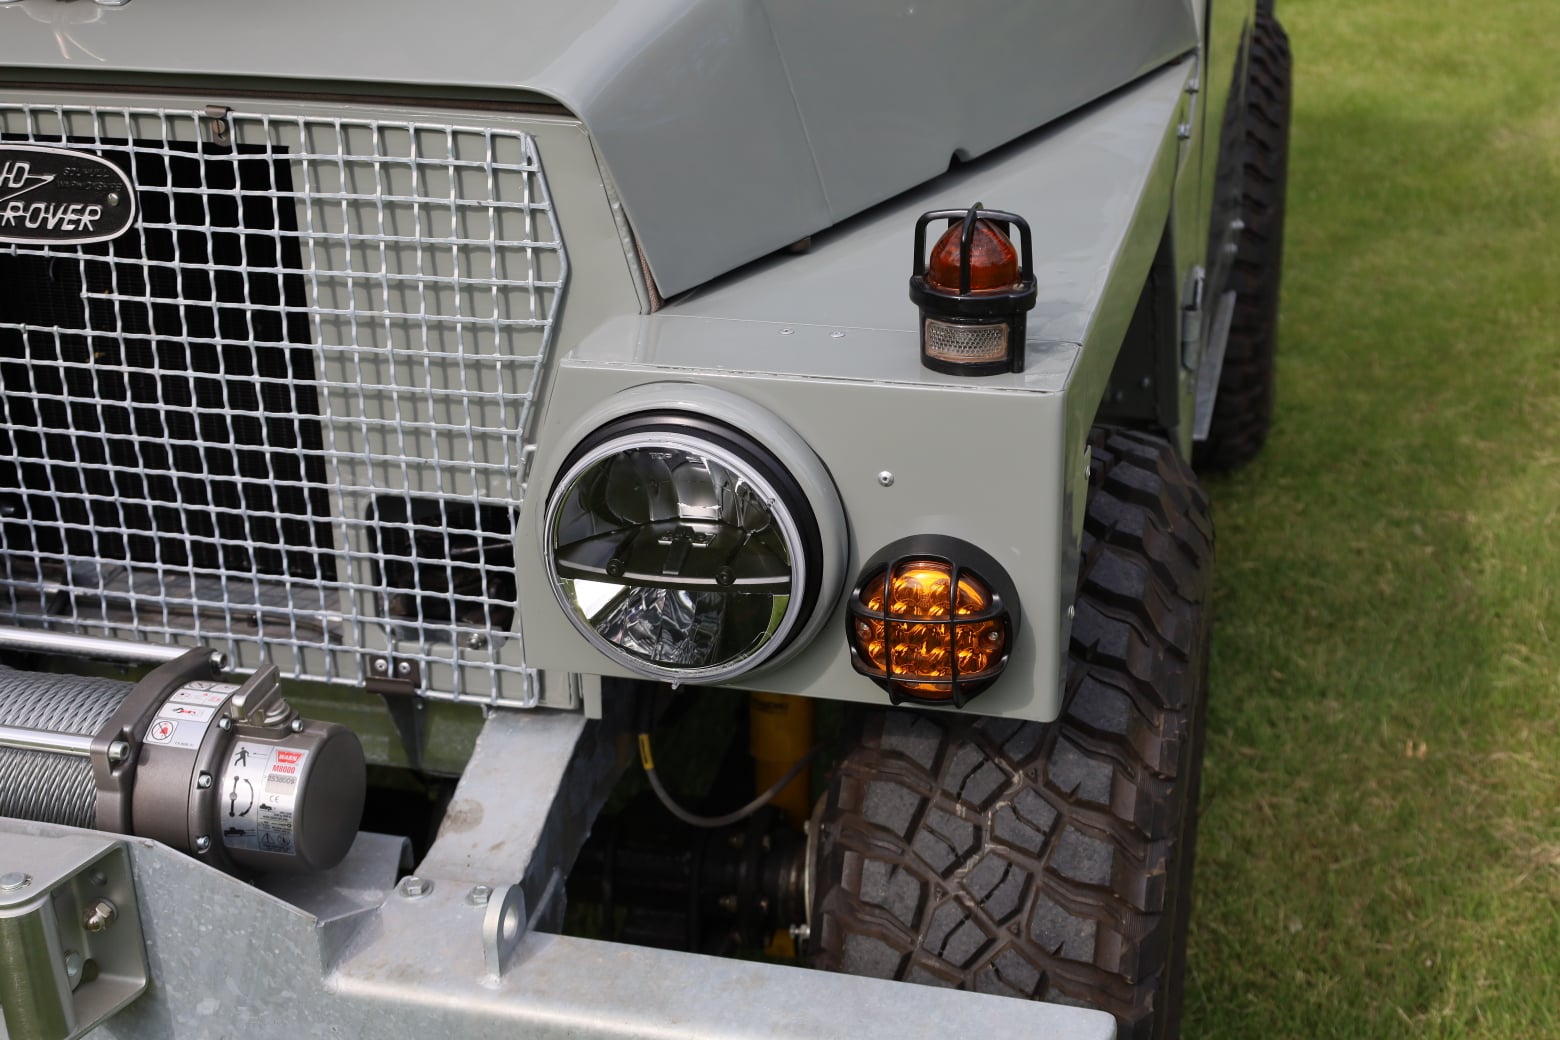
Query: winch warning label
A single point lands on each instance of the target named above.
(259, 797)
(183, 719)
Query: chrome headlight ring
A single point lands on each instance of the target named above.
(682, 548)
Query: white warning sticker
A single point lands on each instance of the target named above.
(183, 719)
(209, 694)
(190, 712)
(259, 797)
(174, 732)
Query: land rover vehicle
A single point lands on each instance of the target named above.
(451, 388)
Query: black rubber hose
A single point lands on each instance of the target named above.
(647, 760)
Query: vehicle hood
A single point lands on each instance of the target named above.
(729, 127)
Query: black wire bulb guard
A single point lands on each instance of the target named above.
(982, 308)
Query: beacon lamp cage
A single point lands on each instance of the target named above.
(974, 293)
(682, 549)
(932, 620)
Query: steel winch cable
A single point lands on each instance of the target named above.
(43, 785)
(226, 771)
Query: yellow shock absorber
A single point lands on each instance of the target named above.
(780, 730)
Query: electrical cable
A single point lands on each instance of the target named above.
(648, 761)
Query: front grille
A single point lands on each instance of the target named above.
(287, 414)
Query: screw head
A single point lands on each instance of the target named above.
(886, 478)
(1071, 611)
(478, 641)
(224, 723)
(381, 665)
(787, 332)
(836, 335)
(13, 881)
(414, 887)
(203, 843)
(404, 668)
(203, 781)
(118, 751)
(296, 725)
(113, 198)
(73, 964)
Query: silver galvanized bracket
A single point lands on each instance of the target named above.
(1212, 366)
(503, 926)
(1192, 318)
(219, 124)
(71, 950)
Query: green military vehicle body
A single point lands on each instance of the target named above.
(404, 405)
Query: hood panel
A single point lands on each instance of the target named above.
(730, 128)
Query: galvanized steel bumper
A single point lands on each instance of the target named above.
(456, 952)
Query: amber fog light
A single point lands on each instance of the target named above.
(932, 620)
(973, 292)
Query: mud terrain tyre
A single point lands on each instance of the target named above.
(1243, 409)
(1046, 861)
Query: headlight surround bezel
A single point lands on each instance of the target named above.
(782, 494)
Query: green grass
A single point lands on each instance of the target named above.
(1380, 841)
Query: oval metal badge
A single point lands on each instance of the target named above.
(55, 197)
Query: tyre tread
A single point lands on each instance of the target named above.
(1067, 879)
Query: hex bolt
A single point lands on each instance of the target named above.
(203, 781)
(886, 478)
(414, 887)
(203, 843)
(13, 881)
(479, 895)
(100, 916)
(118, 751)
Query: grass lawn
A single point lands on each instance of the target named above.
(1380, 840)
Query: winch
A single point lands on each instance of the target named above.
(227, 771)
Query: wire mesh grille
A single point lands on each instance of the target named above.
(287, 414)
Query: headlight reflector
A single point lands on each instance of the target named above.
(681, 548)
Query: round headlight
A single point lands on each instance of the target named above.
(681, 548)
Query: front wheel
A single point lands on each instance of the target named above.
(1047, 861)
